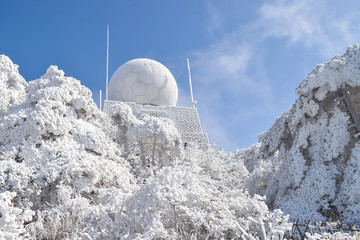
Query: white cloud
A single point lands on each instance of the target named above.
(225, 66)
(315, 24)
(216, 19)
(285, 19)
(232, 70)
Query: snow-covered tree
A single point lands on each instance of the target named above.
(12, 84)
(12, 219)
(148, 143)
(91, 176)
(56, 154)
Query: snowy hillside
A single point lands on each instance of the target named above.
(308, 163)
(68, 171)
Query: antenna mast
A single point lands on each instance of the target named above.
(107, 63)
(191, 90)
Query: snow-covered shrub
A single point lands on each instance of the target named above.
(12, 84)
(148, 143)
(76, 169)
(57, 154)
(12, 219)
(200, 197)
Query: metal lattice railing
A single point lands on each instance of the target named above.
(300, 229)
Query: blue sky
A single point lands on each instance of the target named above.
(247, 57)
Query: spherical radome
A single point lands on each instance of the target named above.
(143, 81)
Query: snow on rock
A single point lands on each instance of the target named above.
(344, 69)
(349, 194)
(307, 164)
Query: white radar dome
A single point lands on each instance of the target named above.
(143, 81)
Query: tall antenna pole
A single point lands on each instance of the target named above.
(107, 63)
(100, 99)
(191, 90)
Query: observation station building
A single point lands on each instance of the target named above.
(148, 87)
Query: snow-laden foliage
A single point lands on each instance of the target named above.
(68, 171)
(308, 163)
(149, 143)
(12, 218)
(199, 197)
(56, 155)
(83, 175)
(12, 84)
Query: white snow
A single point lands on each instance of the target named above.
(307, 164)
(72, 172)
(12, 218)
(332, 75)
(12, 84)
(67, 170)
